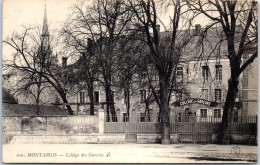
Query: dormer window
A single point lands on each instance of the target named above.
(64, 62)
(142, 96)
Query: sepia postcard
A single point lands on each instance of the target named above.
(129, 81)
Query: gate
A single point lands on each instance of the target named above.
(193, 132)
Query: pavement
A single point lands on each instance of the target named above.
(128, 153)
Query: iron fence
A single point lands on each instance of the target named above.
(149, 124)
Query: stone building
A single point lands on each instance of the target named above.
(204, 75)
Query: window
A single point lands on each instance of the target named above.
(186, 114)
(179, 74)
(218, 72)
(179, 117)
(125, 117)
(205, 72)
(205, 94)
(96, 96)
(178, 95)
(64, 62)
(81, 97)
(218, 95)
(113, 117)
(179, 71)
(155, 78)
(143, 75)
(217, 113)
(145, 118)
(203, 113)
(142, 117)
(142, 95)
(159, 117)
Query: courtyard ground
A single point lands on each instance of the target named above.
(128, 153)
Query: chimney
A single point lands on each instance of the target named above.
(64, 62)
(90, 43)
(197, 30)
(158, 28)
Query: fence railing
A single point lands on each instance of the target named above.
(137, 123)
(174, 118)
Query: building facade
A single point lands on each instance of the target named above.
(204, 84)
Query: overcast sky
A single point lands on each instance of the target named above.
(17, 13)
(24, 12)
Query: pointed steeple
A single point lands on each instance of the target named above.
(45, 48)
(45, 31)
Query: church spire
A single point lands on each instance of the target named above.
(45, 48)
(45, 31)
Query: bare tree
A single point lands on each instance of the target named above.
(129, 66)
(105, 23)
(164, 51)
(238, 20)
(33, 57)
(126, 78)
(30, 83)
(84, 71)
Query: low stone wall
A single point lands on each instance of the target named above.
(244, 139)
(85, 139)
(67, 139)
(48, 126)
(239, 139)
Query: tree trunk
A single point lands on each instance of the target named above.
(107, 100)
(112, 106)
(164, 108)
(165, 121)
(127, 98)
(38, 99)
(147, 111)
(38, 95)
(91, 98)
(64, 99)
(224, 137)
(37, 105)
(110, 103)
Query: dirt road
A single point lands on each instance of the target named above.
(128, 153)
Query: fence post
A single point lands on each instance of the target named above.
(101, 121)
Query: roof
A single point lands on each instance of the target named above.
(29, 110)
(214, 44)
